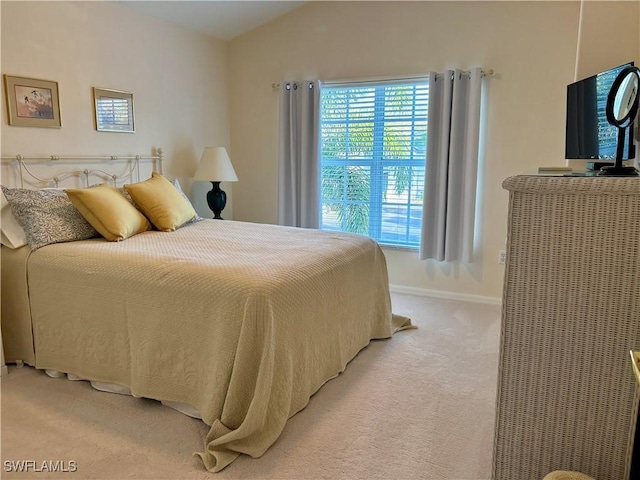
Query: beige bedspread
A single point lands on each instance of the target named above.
(242, 321)
(14, 306)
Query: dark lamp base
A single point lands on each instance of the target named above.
(216, 199)
(616, 171)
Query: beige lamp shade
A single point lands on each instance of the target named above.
(215, 166)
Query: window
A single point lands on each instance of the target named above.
(114, 110)
(607, 133)
(372, 149)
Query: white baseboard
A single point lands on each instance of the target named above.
(3, 370)
(465, 297)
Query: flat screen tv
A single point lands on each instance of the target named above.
(589, 135)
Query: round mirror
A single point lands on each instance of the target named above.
(622, 108)
(622, 102)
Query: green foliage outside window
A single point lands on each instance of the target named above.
(367, 133)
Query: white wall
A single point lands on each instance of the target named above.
(191, 90)
(179, 80)
(530, 45)
(609, 35)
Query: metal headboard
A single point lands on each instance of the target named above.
(130, 173)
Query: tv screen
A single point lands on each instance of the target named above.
(589, 135)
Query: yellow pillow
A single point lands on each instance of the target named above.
(161, 202)
(108, 211)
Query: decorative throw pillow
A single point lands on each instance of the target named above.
(176, 184)
(126, 195)
(161, 203)
(11, 232)
(108, 211)
(120, 189)
(47, 216)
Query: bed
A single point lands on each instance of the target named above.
(241, 322)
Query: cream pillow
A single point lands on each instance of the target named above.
(47, 216)
(108, 211)
(11, 232)
(161, 202)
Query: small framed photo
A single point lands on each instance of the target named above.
(32, 102)
(114, 110)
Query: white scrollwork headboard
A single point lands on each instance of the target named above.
(54, 170)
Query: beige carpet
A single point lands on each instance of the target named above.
(419, 405)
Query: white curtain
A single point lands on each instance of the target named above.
(298, 167)
(448, 213)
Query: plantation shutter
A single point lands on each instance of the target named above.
(373, 148)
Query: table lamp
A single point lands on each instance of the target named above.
(215, 167)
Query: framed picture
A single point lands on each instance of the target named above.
(32, 102)
(114, 110)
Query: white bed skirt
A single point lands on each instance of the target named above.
(119, 389)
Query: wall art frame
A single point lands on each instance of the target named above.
(113, 110)
(32, 102)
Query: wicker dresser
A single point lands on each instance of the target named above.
(567, 398)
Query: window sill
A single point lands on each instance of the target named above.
(399, 247)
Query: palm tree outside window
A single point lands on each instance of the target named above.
(373, 148)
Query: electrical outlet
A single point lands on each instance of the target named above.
(502, 256)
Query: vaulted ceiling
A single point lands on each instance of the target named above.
(221, 19)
